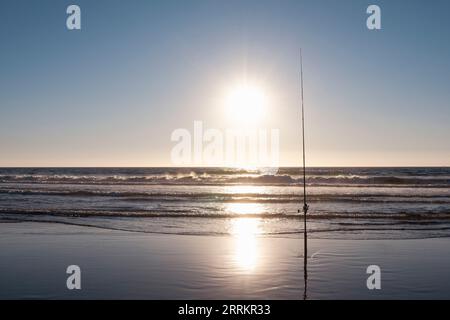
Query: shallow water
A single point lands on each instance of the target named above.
(124, 265)
(347, 203)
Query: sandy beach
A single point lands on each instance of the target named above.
(132, 265)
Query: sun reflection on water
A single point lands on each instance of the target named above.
(245, 231)
(244, 208)
(245, 228)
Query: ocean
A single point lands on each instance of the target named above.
(345, 203)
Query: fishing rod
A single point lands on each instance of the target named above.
(305, 204)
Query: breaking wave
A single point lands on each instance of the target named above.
(233, 179)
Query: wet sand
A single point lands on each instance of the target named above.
(131, 265)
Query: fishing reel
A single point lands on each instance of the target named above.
(305, 209)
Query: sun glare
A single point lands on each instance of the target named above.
(246, 104)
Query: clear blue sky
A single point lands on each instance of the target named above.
(112, 93)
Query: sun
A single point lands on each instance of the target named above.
(246, 104)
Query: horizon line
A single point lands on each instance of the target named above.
(212, 167)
